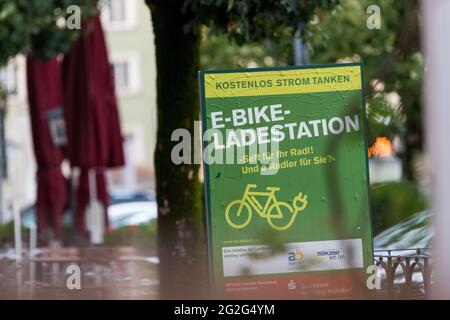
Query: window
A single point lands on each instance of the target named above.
(13, 80)
(126, 72)
(119, 15)
(117, 10)
(121, 76)
(8, 78)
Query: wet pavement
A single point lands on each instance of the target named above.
(102, 273)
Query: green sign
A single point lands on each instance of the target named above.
(286, 179)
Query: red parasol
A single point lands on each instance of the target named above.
(93, 126)
(45, 97)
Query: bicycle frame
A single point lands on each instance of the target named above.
(249, 197)
(271, 209)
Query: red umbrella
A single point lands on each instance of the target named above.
(93, 126)
(45, 97)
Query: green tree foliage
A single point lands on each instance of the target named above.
(220, 52)
(37, 27)
(252, 20)
(392, 59)
(177, 26)
(392, 203)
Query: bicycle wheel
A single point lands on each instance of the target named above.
(236, 219)
(283, 221)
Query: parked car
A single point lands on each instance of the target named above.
(126, 208)
(411, 233)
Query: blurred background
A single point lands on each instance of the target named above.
(397, 161)
(386, 38)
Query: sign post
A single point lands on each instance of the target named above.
(286, 180)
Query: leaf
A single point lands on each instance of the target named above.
(230, 5)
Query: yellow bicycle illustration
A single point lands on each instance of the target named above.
(280, 215)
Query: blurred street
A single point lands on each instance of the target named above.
(106, 273)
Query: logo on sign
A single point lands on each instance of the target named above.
(295, 256)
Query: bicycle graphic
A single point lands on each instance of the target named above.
(280, 215)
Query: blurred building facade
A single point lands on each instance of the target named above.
(129, 36)
(19, 187)
(128, 29)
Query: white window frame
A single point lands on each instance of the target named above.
(135, 132)
(127, 24)
(18, 66)
(134, 72)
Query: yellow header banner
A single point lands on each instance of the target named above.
(277, 82)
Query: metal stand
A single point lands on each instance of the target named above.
(301, 54)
